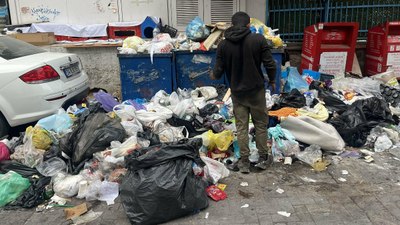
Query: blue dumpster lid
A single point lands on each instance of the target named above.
(158, 55)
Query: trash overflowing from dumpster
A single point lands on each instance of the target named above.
(180, 144)
(197, 36)
(165, 155)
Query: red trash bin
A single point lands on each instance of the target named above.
(122, 30)
(329, 47)
(383, 49)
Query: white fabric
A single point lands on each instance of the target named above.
(124, 24)
(312, 131)
(94, 30)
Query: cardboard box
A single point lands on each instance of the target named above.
(47, 38)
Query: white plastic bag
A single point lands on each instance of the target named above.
(154, 112)
(185, 107)
(132, 127)
(126, 147)
(310, 155)
(99, 190)
(125, 112)
(206, 93)
(254, 155)
(168, 133)
(66, 186)
(27, 154)
(214, 170)
(382, 143)
(128, 116)
(132, 42)
(51, 167)
(163, 37)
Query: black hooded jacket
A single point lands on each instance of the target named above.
(240, 56)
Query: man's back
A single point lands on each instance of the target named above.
(240, 56)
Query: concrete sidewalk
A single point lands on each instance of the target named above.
(370, 195)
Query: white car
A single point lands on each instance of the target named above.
(35, 83)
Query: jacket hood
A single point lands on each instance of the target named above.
(236, 33)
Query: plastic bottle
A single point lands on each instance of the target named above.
(309, 98)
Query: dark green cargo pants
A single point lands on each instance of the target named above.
(254, 105)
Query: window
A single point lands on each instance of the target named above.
(11, 48)
(211, 11)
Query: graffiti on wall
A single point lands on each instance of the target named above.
(41, 13)
(101, 6)
(138, 2)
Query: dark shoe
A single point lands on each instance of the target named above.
(244, 165)
(233, 166)
(264, 162)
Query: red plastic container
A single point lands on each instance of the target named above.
(383, 49)
(122, 30)
(68, 38)
(329, 47)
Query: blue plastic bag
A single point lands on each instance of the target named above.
(294, 81)
(196, 30)
(59, 123)
(224, 112)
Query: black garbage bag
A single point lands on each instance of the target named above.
(17, 167)
(149, 135)
(178, 122)
(18, 142)
(160, 184)
(355, 124)
(54, 151)
(221, 90)
(95, 135)
(208, 110)
(216, 126)
(332, 102)
(33, 196)
(294, 99)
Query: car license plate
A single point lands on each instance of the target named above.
(72, 70)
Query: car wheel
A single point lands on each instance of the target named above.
(4, 127)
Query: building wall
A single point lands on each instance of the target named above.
(256, 9)
(86, 11)
(105, 11)
(101, 65)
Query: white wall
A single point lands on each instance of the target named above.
(86, 11)
(256, 9)
(105, 11)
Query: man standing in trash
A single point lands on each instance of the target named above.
(240, 56)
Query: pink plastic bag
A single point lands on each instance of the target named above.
(4, 152)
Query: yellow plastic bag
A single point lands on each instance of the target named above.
(132, 42)
(40, 137)
(261, 28)
(222, 140)
(319, 112)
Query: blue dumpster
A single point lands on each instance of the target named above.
(192, 69)
(277, 54)
(142, 79)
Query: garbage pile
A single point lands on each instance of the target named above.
(165, 156)
(197, 36)
(145, 151)
(326, 116)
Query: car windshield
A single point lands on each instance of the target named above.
(11, 48)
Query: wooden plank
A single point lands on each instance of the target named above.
(227, 95)
(209, 42)
(88, 45)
